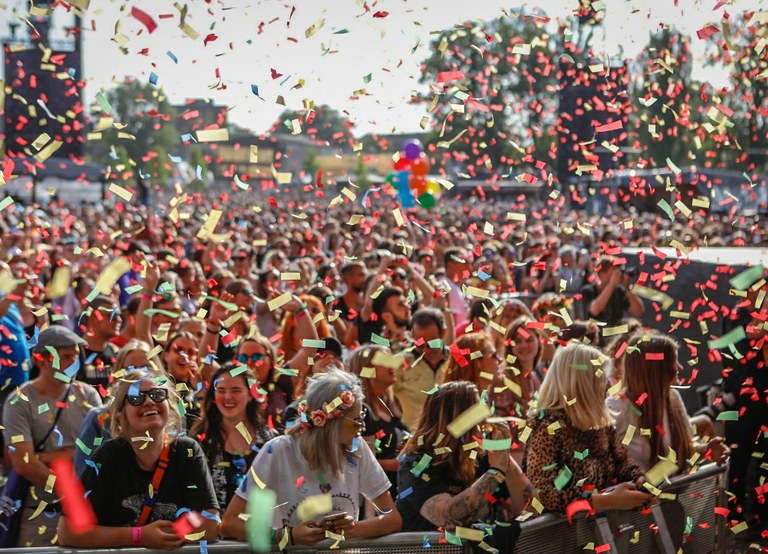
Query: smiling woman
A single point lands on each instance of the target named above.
(324, 448)
(145, 454)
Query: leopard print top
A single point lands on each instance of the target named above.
(567, 464)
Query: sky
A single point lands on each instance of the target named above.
(325, 50)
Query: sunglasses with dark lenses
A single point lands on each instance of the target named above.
(157, 395)
(243, 358)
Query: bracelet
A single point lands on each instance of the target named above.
(136, 534)
(498, 474)
(147, 296)
(216, 329)
(301, 313)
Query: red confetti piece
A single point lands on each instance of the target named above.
(615, 126)
(209, 38)
(719, 510)
(707, 31)
(381, 15)
(70, 490)
(447, 76)
(299, 481)
(654, 356)
(603, 548)
(144, 18)
(578, 506)
(275, 74)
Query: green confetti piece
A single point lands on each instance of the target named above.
(97, 441)
(238, 370)
(497, 444)
(133, 289)
(81, 445)
(341, 32)
(61, 377)
(435, 343)
(104, 104)
(313, 343)
(182, 409)
(433, 390)
(379, 340)
(550, 466)
(664, 205)
(580, 367)
(727, 339)
(367, 78)
(729, 415)
(581, 455)
(423, 464)
(688, 525)
(258, 528)
(42, 408)
(746, 278)
(288, 371)
(563, 478)
(153, 311)
(450, 538)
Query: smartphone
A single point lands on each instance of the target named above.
(330, 520)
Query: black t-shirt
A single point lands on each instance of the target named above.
(614, 309)
(118, 489)
(389, 436)
(98, 366)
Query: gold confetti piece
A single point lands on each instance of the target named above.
(398, 217)
(212, 135)
(468, 419)
(111, 273)
(617, 330)
(615, 388)
(195, 536)
(469, 534)
(355, 219)
(207, 229)
(525, 434)
(387, 360)
(314, 506)
(48, 151)
(476, 292)
(121, 192)
(629, 435)
(275, 303)
(368, 373)
(244, 432)
(41, 141)
(290, 276)
(660, 471)
(60, 283)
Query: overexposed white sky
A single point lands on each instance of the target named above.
(255, 37)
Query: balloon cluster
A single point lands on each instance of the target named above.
(410, 177)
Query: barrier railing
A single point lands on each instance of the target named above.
(688, 521)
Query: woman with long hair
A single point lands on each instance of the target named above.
(442, 483)
(464, 363)
(324, 449)
(384, 431)
(231, 428)
(651, 404)
(146, 453)
(180, 357)
(573, 449)
(522, 350)
(290, 343)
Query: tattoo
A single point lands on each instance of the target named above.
(529, 493)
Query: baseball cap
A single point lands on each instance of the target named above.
(57, 336)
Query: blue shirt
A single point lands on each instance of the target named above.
(14, 351)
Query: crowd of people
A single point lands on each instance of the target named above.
(185, 357)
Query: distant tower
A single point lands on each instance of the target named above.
(593, 98)
(44, 84)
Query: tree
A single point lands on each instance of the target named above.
(142, 126)
(311, 164)
(361, 171)
(662, 97)
(492, 92)
(323, 124)
(741, 113)
(197, 159)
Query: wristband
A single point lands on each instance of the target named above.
(216, 329)
(147, 296)
(136, 534)
(301, 313)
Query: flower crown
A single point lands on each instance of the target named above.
(329, 411)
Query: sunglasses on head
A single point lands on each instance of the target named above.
(243, 358)
(156, 395)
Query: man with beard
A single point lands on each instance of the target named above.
(101, 322)
(350, 304)
(390, 316)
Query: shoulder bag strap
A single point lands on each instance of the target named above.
(39, 446)
(157, 478)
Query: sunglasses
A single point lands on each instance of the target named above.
(360, 420)
(247, 292)
(243, 358)
(156, 395)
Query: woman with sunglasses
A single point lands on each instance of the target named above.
(231, 429)
(324, 451)
(259, 355)
(146, 449)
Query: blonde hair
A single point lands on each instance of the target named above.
(155, 363)
(321, 446)
(120, 390)
(577, 382)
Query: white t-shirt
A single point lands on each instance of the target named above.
(282, 468)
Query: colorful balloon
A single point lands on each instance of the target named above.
(427, 200)
(418, 185)
(420, 166)
(412, 149)
(433, 187)
(402, 163)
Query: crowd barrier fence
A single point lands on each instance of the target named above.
(688, 521)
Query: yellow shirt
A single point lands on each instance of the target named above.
(411, 381)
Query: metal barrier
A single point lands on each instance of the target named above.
(688, 522)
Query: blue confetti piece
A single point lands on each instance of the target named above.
(406, 492)
(32, 341)
(209, 515)
(203, 547)
(72, 72)
(91, 463)
(173, 57)
(133, 390)
(286, 79)
(91, 357)
(365, 196)
(113, 313)
(255, 90)
(72, 370)
(199, 173)
(186, 137)
(174, 159)
(269, 449)
(153, 78)
(483, 275)
(426, 542)
(355, 444)
(181, 511)
(60, 437)
(113, 154)
(210, 358)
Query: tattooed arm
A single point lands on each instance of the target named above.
(521, 491)
(468, 506)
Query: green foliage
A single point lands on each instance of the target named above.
(323, 124)
(311, 164)
(142, 111)
(506, 101)
(361, 171)
(197, 158)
